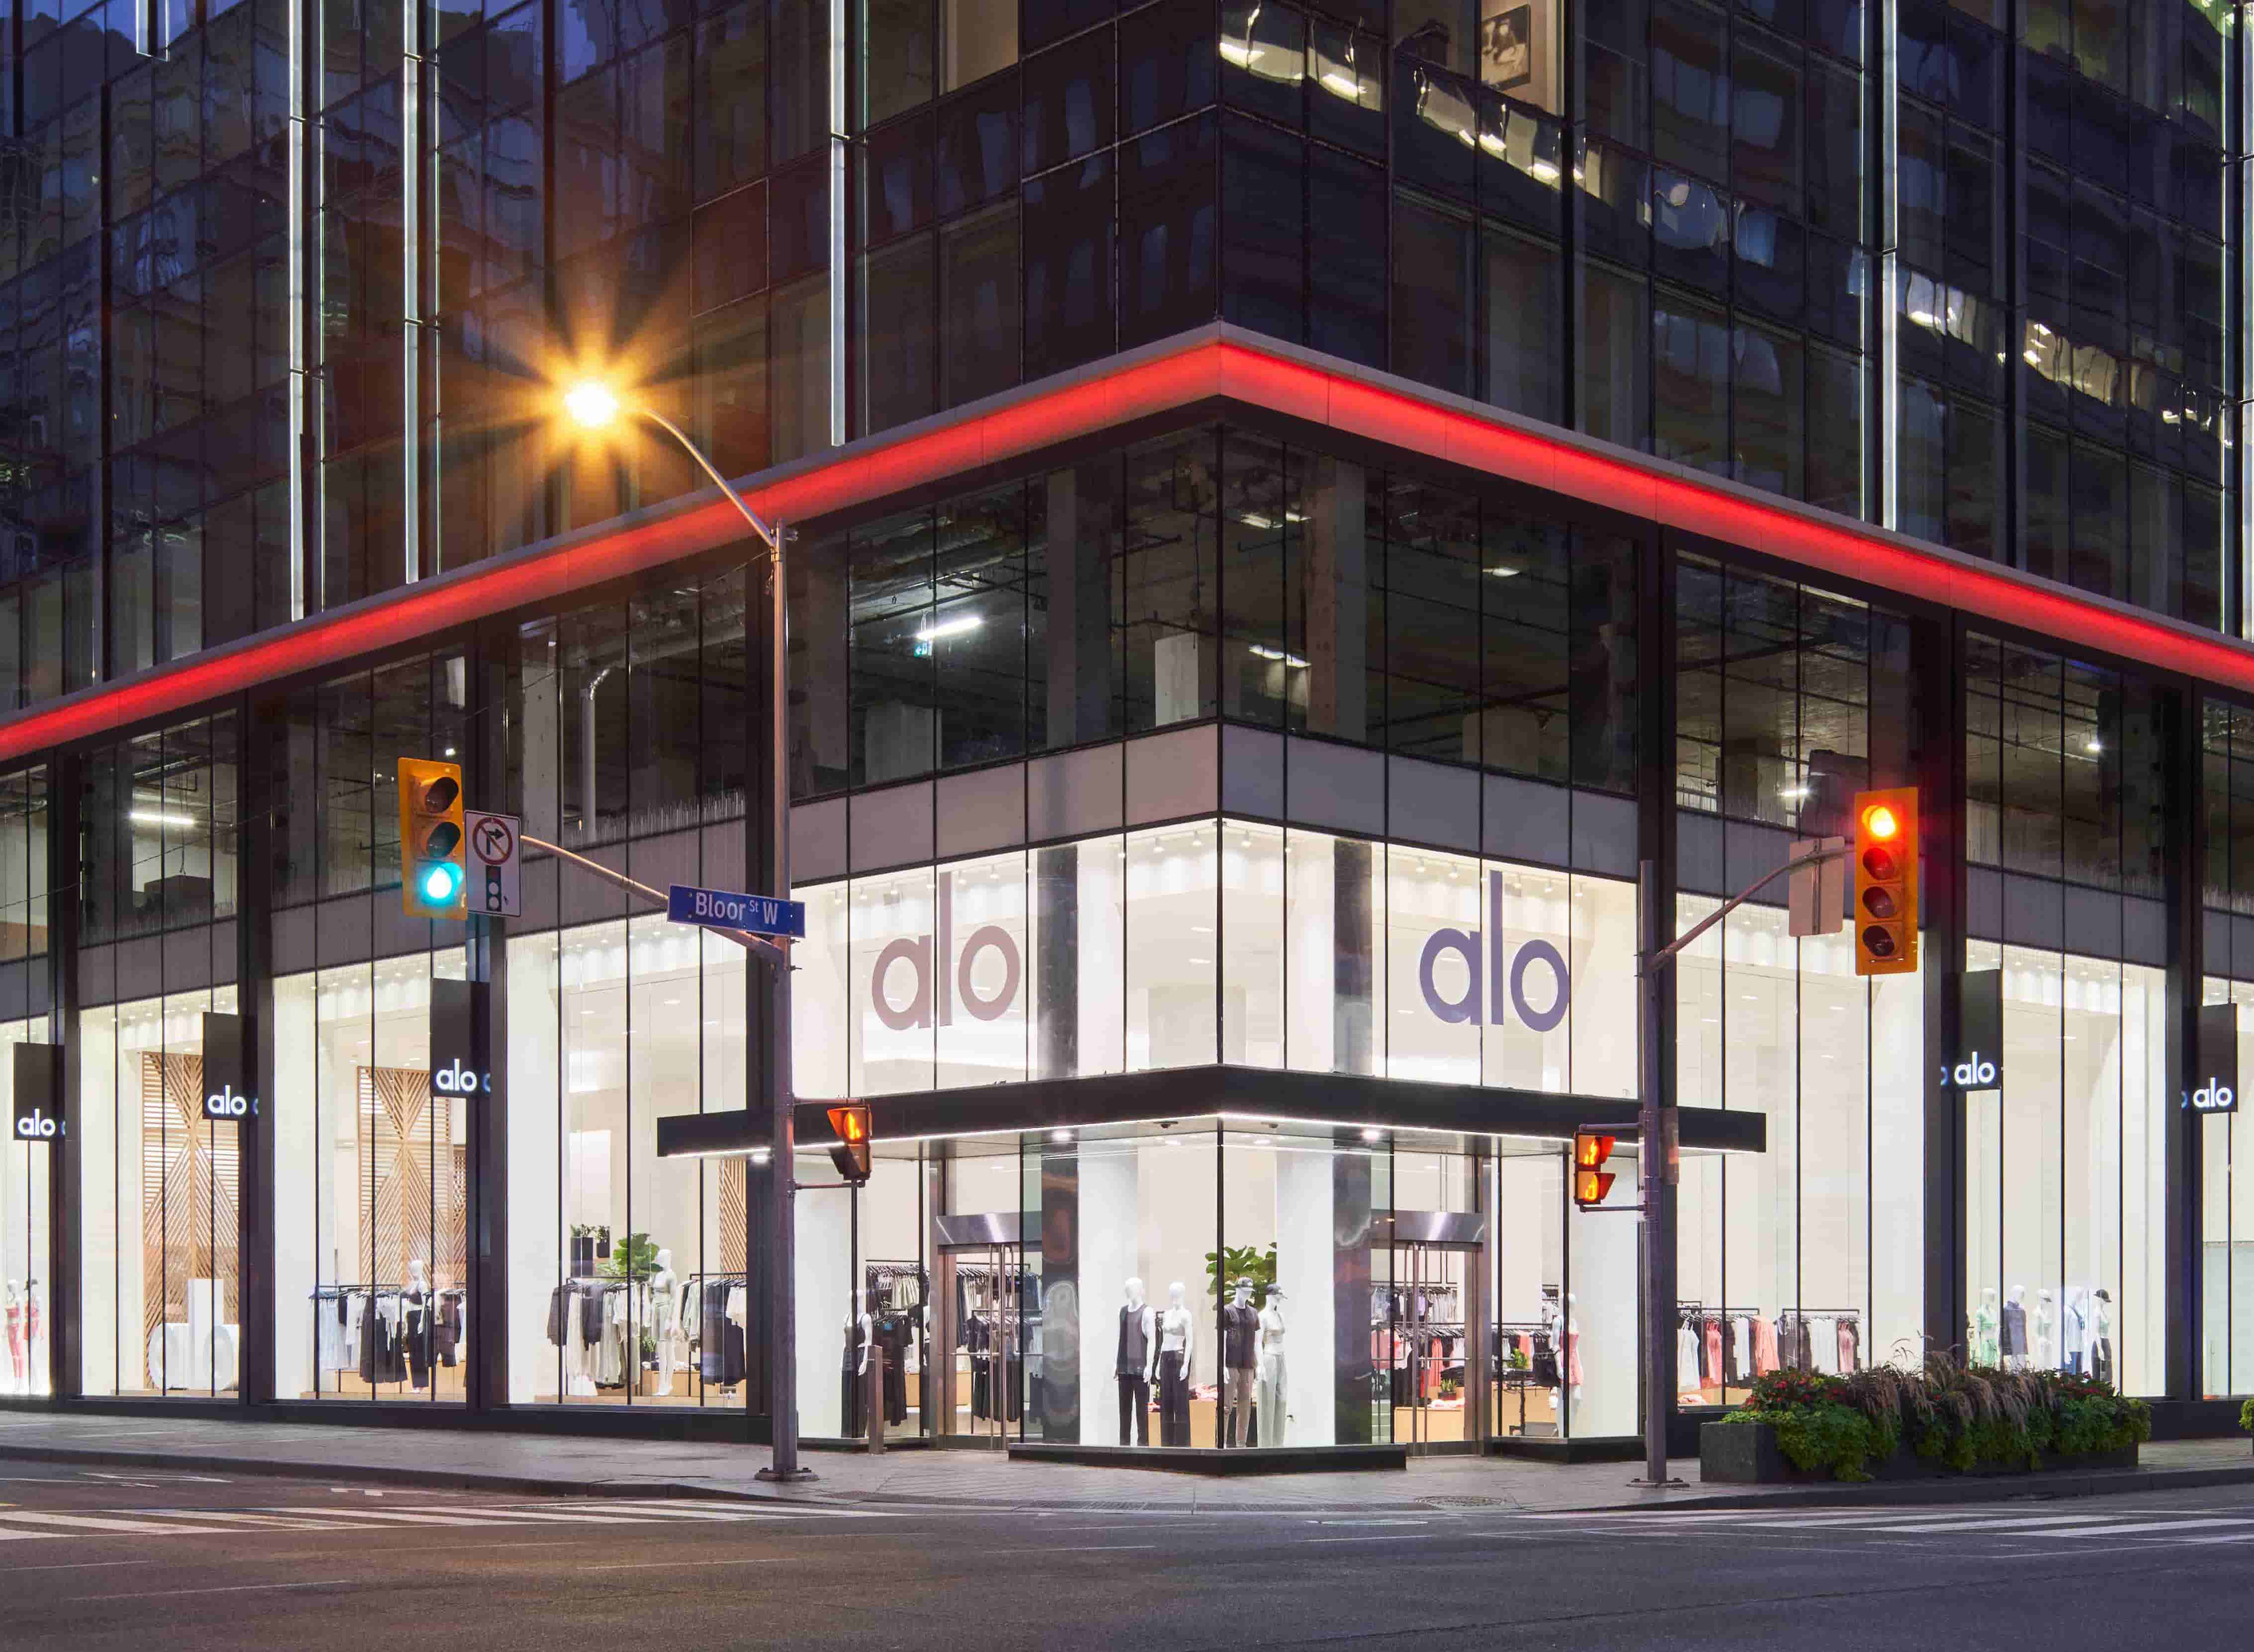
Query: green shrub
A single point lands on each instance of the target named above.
(2246, 1416)
(1961, 1416)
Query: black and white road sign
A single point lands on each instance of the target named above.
(495, 889)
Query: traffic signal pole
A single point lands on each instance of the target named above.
(1656, 1139)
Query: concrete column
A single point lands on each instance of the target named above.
(1338, 603)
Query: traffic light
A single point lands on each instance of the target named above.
(433, 875)
(851, 1155)
(1886, 881)
(1592, 1181)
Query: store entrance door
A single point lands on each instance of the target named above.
(1431, 1368)
(979, 1331)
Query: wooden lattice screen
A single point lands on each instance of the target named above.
(410, 1178)
(191, 1181)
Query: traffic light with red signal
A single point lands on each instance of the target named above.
(1886, 881)
(850, 1124)
(434, 870)
(1592, 1181)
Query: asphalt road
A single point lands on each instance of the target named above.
(99, 1558)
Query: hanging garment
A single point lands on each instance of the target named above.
(1851, 1356)
(1686, 1358)
(851, 1384)
(1710, 1367)
(332, 1326)
(19, 1343)
(1545, 1359)
(1764, 1336)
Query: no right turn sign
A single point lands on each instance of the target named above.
(494, 890)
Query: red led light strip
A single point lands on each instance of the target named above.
(1204, 369)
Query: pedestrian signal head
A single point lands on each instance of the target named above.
(850, 1124)
(1592, 1181)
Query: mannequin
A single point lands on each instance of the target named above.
(1240, 1360)
(854, 1371)
(1985, 1321)
(2015, 1329)
(2101, 1336)
(2045, 1348)
(1273, 1408)
(13, 1310)
(415, 1303)
(1138, 1349)
(1553, 1322)
(665, 1318)
(1573, 1343)
(1177, 1343)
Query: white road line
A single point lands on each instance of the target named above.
(89, 1523)
(341, 1517)
(675, 1565)
(1078, 1549)
(2152, 1528)
(2047, 1524)
(232, 1588)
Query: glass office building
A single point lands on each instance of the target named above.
(1295, 508)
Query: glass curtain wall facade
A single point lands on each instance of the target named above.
(2064, 826)
(1789, 700)
(1209, 751)
(1700, 233)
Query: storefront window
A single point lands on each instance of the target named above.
(26, 1279)
(372, 1163)
(161, 1283)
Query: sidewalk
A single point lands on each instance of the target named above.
(465, 1459)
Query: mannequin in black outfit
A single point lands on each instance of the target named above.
(1138, 1344)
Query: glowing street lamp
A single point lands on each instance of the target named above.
(594, 404)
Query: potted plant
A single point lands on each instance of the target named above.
(1225, 1267)
(2246, 1416)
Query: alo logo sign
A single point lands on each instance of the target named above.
(940, 978)
(227, 1105)
(1483, 964)
(1974, 1073)
(36, 1126)
(454, 1079)
(2213, 1097)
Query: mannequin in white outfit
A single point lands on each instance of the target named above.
(665, 1320)
(1274, 1408)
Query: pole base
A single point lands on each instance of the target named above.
(1642, 1484)
(773, 1475)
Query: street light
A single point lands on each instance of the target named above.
(595, 405)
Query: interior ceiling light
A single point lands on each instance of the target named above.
(954, 627)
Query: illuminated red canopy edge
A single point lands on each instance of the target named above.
(1203, 369)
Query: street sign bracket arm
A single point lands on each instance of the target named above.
(777, 952)
(1666, 954)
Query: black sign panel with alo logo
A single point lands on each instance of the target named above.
(227, 1099)
(1979, 1064)
(2215, 1074)
(454, 1069)
(38, 1078)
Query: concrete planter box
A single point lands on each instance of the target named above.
(1747, 1454)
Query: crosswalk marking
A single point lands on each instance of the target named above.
(16, 1525)
(1903, 1523)
(2000, 1523)
(2159, 1528)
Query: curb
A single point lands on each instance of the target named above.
(1985, 1488)
(1970, 1490)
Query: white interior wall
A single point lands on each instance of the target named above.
(1306, 1245)
(1109, 1201)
